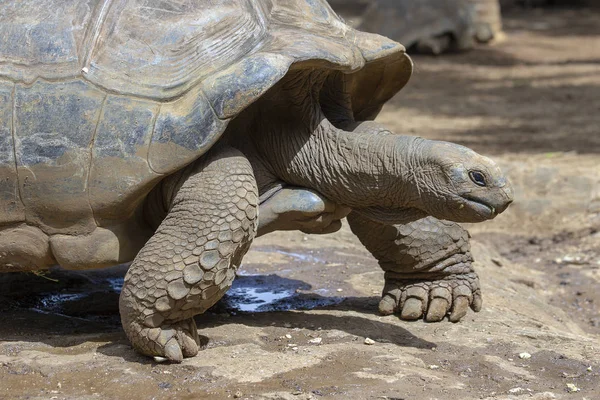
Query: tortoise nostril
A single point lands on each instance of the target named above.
(504, 206)
(509, 193)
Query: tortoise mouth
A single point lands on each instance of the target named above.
(482, 209)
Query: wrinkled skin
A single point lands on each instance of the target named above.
(427, 264)
(427, 261)
(285, 166)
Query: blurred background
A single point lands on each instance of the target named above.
(438, 26)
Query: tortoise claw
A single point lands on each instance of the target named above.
(432, 300)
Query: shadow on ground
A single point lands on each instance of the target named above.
(528, 94)
(70, 306)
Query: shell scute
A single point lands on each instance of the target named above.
(161, 49)
(120, 175)
(231, 91)
(11, 208)
(43, 38)
(54, 127)
(183, 131)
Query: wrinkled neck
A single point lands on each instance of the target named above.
(300, 146)
(354, 169)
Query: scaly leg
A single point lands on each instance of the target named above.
(427, 264)
(190, 262)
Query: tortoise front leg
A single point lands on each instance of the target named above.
(190, 262)
(428, 267)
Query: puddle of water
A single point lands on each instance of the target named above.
(251, 299)
(264, 293)
(54, 301)
(52, 304)
(250, 293)
(116, 284)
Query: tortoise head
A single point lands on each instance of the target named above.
(456, 183)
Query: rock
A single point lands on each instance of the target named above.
(571, 388)
(369, 341)
(524, 356)
(576, 260)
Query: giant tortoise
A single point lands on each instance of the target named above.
(171, 132)
(430, 26)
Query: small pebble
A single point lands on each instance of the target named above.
(288, 336)
(578, 260)
(339, 290)
(315, 340)
(238, 394)
(589, 369)
(524, 356)
(516, 390)
(571, 388)
(369, 341)
(434, 366)
(160, 359)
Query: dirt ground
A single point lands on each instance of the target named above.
(295, 323)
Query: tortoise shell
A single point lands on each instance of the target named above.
(100, 99)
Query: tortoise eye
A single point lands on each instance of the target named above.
(478, 178)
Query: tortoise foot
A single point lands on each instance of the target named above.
(169, 342)
(431, 298)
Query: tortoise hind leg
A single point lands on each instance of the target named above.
(297, 208)
(190, 262)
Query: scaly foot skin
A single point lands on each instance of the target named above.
(431, 299)
(427, 264)
(170, 342)
(191, 260)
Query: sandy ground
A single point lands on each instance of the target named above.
(294, 325)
